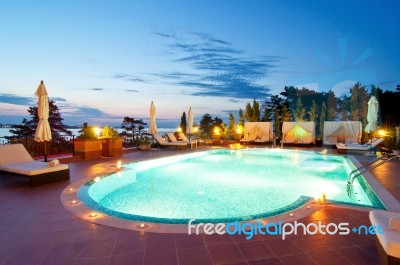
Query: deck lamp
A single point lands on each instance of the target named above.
(119, 165)
(216, 130)
(179, 129)
(381, 133)
(97, 130)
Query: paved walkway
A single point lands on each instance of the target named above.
(36, 229)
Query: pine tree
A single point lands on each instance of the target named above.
(322, 118)
(183, 124)
(20, 131)
(241, 118)
(206, 124)
(256, 110)
(248, 114)
(299, 112)
(345, 105)
(277, 121)
(57, 126)
(285, 113)
(232, 125)
(313, 112)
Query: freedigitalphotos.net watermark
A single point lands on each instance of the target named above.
(281, 229)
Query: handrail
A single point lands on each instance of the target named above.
(370, 166)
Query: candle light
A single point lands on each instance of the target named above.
(323, 199)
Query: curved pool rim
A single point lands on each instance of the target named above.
(302, 207)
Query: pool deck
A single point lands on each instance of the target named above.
(35, 228)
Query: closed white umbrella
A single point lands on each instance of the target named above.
(372, 116)
(153, 125)
(43, 132)
(190, 121)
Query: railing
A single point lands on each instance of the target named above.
(62, 146)
(366, 168)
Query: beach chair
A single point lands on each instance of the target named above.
(15, 160)
(388, 241)
(184, 139)
(249, 139)
(344, 148)
(164, 143)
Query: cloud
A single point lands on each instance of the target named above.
(130, 78)
(97, 89)
(218, 69)
(17, 100)
(59, 99)
(131, 90)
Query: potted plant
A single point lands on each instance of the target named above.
(87, 145)
(145, 143)
(112, 143)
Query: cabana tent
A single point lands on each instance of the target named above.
(348, 132)
(298, 132)
(258, 130)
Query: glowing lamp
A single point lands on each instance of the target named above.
(71, 189)
(195, 129)
(74, 202)
(216, 130)
(238, 130)
(92, 215)
(96, 179)
(381, 133)
(97, 130)
(179, 129)
(119, 165)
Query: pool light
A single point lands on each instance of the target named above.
(71, 189)
(93, 214)
(74, 202)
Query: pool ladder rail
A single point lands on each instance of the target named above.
(366, 168)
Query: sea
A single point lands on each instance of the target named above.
(6, 131)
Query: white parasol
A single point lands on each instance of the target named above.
(43, 132)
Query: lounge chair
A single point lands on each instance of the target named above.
(184, 139)
(264, 139)
(344, 148)
(15, 160)
(172, 137)
(162, 142)
(387, 242)
(249, 139)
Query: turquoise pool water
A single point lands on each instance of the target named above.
(224, 186)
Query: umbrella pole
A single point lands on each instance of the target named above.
(45, 152)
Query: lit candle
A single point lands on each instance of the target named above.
(323, 199)
(119, 164)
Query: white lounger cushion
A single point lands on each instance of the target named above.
(389, 239)
(32, 168)
(161, 141)
(13, 153)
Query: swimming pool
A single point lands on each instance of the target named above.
(223, 186)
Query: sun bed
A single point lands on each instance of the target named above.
(162, 142)
(250, 139)
(264, 139)
(184, 139)
(15, 160)
(387, 242)
(344, 148)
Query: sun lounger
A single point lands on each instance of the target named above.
(15, 160)
(387, 242)
(162, 142)
(264, 139)
(249, 139)
(344, 148)
(184, 139)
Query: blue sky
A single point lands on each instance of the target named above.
(103, 60)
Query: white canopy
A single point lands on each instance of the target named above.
(298, 132)
(342, 132)
(258, 130)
